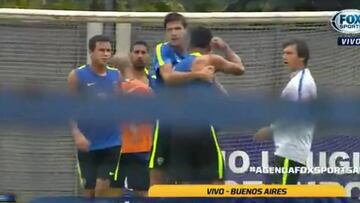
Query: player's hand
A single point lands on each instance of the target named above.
(262, 134)
(81, 143)
(207, 74)
(218, 43)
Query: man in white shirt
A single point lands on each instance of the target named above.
(292, 139)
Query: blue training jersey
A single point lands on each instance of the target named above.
(196, 87)
(164, 54)
(90, 84)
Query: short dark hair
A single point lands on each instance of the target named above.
(301, 48)
(97, 38)
(139, 43)
(171, 17)
(200, 37)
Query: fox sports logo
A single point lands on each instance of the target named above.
(346, 21)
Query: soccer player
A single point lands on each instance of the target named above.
(136, 137)
(98, 145)
(167, 55)
(293, 139)
(196, 156)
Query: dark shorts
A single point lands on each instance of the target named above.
(285, 178)
(103, 164)
(195, 155)
(161, 146)
(134, 171)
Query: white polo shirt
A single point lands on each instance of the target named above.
(293, 140)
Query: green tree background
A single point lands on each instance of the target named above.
(185, 5)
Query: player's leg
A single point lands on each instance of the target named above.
(88, 193)
(159, 154)
(276, 178)
(210, 162)
(292, 177)
(220, 165)
(108, 161)
(123, 170)
(157, 176)
(181, 159)
(182, 155)
(87, 173)
(138, 177)
(285, 178)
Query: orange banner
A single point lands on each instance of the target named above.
(247, 191)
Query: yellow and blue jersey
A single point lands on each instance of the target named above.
(101, 87)
(151, 77)
(164, 54)
(186, 63)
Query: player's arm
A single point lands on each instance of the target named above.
(164, 64)
(232, 63)
(225, 66)
(73, 82)
(264, 133)
(172, 77)
(80, 140)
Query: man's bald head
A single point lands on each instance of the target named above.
(121, 62)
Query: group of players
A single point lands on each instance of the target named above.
(136, 155)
